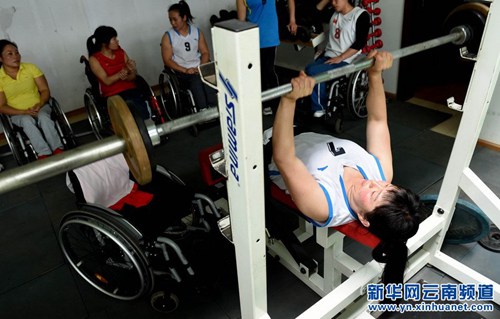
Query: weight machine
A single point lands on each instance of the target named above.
(236, 53)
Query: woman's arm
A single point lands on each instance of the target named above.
(377, 130)
(9, 110)
(99, 72)
(167, 54)
(203, 48)
(43, 89)
(304, 189)
(362, 29)
(241, 9)
(322, 4)
(292, 25)
(131, 69)
(345, 55)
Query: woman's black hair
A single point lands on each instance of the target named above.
(393, 223)
(3, 44)
(183, 9)
(102, 35)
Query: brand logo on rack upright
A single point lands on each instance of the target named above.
(231, 102)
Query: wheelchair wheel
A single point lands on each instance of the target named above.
(98, 120)
(336, 103)
(157, 114)
(62, 125)
(356, 94)
(22, 151)
(143, 86)
(188, 108)
(334, 121)
(170, 94)
(107, 255)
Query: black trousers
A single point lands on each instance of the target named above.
(268, 76)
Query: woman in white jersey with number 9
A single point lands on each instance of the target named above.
(183, 49)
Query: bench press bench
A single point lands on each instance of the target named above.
(288, 248)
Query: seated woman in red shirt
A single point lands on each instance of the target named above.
(113, 68)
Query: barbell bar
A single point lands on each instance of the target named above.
(125, 141)
(458, 35)
(131, 140)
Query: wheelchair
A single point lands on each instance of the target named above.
(346, 92)
(128, 258)
(176, 101)
(350, 91)
(96, 107)
(20, 145)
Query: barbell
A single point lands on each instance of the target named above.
(458, 35)
(135, 140)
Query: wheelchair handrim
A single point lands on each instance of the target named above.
(357, 102)
(94, 117)
(19, 149)
(76, 266)
(63, 126)
(174, 110)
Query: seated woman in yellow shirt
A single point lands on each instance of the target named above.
(24, 95)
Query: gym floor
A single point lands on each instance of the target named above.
(37, 283)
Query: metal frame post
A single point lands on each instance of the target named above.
(458, 175)
(236, 50)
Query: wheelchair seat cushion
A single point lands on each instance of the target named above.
(136, 198)
(104, 182)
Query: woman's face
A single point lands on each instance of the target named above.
(176, 20)
(371, 194)
(114, 44)
(10, 56)
(339, 5)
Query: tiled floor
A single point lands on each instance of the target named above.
(35, 281)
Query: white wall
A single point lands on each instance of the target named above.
(52, 34)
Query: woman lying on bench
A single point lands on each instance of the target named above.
(334, 181)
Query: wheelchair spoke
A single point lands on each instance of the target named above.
(356, 94)
(169, 95)
(83, 244)
(103, 257)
